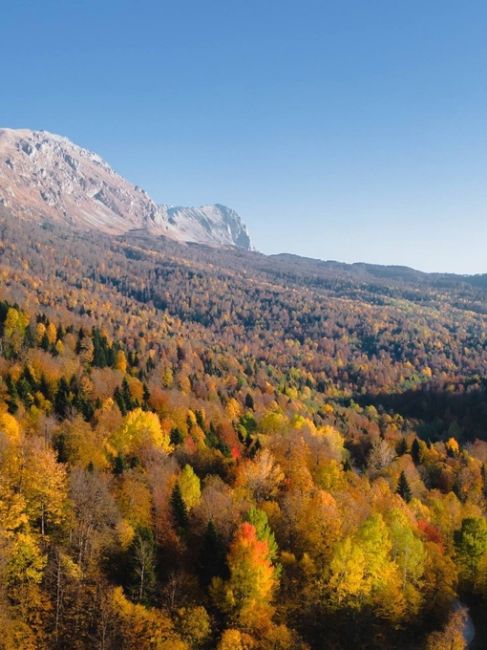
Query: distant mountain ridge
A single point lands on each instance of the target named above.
(46, 176)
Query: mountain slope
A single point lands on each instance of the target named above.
(45, 176)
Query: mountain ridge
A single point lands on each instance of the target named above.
(47, 176)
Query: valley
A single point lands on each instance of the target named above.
(223, 411)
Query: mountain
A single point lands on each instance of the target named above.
(207, 223)
(46, 176)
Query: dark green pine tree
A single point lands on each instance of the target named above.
(11, 387)
(402, 447)
(403, 488)
(61, 399)
(176, 436)
(100, 349)
(179, 511)
(416, 452)
(200, 419)
(45, 388)
(119, 399)
(146, 398)
(24, 391)
(211, 437)
(30, 378)
(119, 465)
(110, 356)
(3, 314)
(127, 397)
(81, 336)
(249, 401)
(211, 561)
(484, 479)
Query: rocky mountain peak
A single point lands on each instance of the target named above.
(46, 176)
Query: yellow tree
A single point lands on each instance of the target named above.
(140, 429)
(346, 586)
(141, 627)
(10, 448)
(21, 570)
(121, 361)
(409, 554)
(362, 571)
(43, 485)
(51, 333)
(235, 640)
(189, 487)
(14, 328)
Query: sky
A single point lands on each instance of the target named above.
(346, 130)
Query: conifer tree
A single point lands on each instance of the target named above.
(403, 488)
(416, 452)
(212, 555)
(61, 400)
(179, 510)
(402, 447)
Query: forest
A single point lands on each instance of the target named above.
(216, 449)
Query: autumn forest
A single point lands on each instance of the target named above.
(206, 448)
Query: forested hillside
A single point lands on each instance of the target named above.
(217, 449)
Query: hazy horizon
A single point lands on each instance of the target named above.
(354, 133)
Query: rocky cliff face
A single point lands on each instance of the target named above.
(207, 224)
(45, 176)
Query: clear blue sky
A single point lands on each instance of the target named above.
(350, 130)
